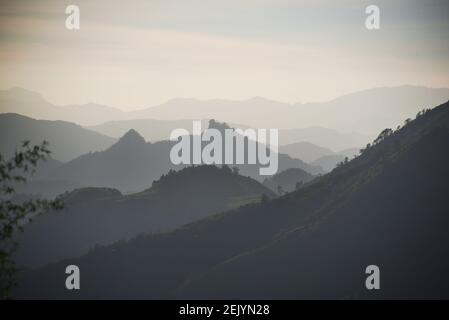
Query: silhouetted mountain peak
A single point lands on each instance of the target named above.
(132, 137)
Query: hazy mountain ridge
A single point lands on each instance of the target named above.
(32, 104)
(157, 130)
(329, 162)
(131, 164)
(371, 110)
(94, 216)
(324, 138)
(318, 156)
(325, 124)
(305, 151)
(380, 208)
(151, 129)
(66, 140)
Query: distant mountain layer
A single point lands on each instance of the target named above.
(95, 160)
(305, 151)
(365, 112)
(151, 129)
(94, 216)
(67, 140)
(156, 130)
(32, 104)
(324, 138)
(131, 164)
(387, 207)
(318, 156)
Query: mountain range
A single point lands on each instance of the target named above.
(66, 140)
(151, 129)
(33, 105)
(387, 207)
(130, 165)
(157, 130)
(371, 110)
(99, 216)
(316, 155)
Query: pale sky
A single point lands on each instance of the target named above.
(135, 54)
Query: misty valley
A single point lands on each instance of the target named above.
(115, 216)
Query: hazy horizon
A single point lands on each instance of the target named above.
(200, 99)
(133, 57)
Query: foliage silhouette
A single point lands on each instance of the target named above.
(13, 215)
